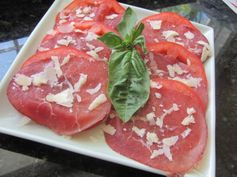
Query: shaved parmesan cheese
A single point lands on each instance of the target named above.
(170, 141)
(62, 15)
(64, 98)
(151, 138)
(155, 24)
(66, 41)
(82, 80)
(41, 49)
(191, 110)
(140, 132)
(188, 120)
(160, 120)
(78, 98)
(189, 35)
(94, 52)
(190, 81)
(151, 118)
(51, 75)
(80, 15)
(206, 51)
(109, 129)
(91, 47)
(65, 60)
(87, 18)
(66, 28)
(158, 95)
(39, 78)
(169, 35)
(23, 80)
(91, 36)
(186, 132)
(111, 17)
(175, 69)
(86, 10)
(94, 90)
(167, 153)
(78, 11)
(155, 85)
(156, 153)
(57, 66)
(97, 102)
(167, 143)
(92, 15)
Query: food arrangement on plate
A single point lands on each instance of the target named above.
(144, 79)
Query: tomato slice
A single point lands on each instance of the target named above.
(171, 27)
(109, 12)
(72, 111)
(171, 61)
(169, 133)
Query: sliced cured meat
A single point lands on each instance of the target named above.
(62, 90)
(169, 26)
(109, 12)
(82, 36)
(169, 133)
(171, 61)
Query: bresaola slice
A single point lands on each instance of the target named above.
(82, 36)
(109, 12)
(169, 133)
(169, 26)
(62, 91)
(171, 61)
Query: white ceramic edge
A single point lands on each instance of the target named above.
(21, 55)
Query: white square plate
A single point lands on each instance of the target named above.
(92, 142)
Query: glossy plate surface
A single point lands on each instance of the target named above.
(92, 142)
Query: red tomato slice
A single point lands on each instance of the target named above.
(169, 26)
(72, 110)
(171, 61)
(169, 133)
(108, 11)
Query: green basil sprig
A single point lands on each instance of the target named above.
(129, 82)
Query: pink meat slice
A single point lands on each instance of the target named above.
(61, 119)
(173, 146)
(82, 36)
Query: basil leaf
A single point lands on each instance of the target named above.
(111, 40)
(140, 41)
(138, 31)
(129, 83)
(127, 23)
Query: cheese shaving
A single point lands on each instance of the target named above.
(64, 98)
(189, 35)
(111, 17)
(82, 80)
(23, 80)
(155, 24)
(97, 102)
(94, 90)
(109, 129)
(140, 132)
(169, 35)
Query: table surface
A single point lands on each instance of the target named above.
(24, 158)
